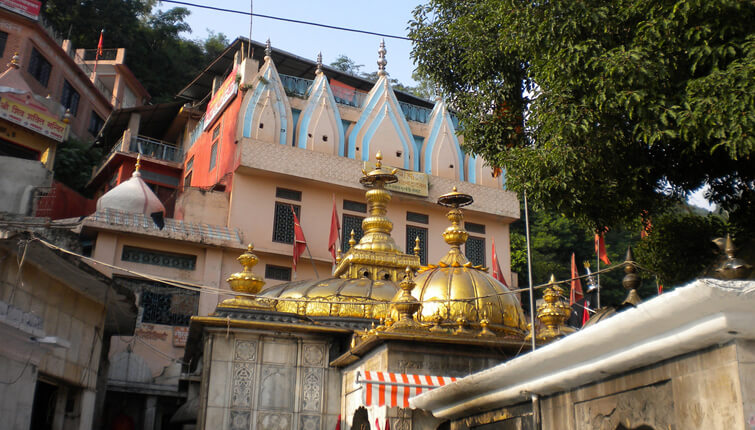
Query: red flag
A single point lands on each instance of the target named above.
(335, 228)
(585, 314)
(497, 273)
(600, 248)
(99, 44)
(387, 424)
(338, 423)
(377, 424)
(660, 289)
(300, 243)
(576, 285)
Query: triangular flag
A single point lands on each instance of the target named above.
(600, 248)
(335, 228)
(98, 54)
(576, 286)
(660, 289)
(300, 243)
(497, 273)
(377, 424)
(338, 423)
(387, 424)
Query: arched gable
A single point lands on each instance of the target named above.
(320, 127)
(441, 152)
(267, 113)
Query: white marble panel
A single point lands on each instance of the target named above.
(274, 421)
(276, 388)
(311, 389)
(245, 350)
(314, 355)
(222, 348)
(215, 418)
(220, 378)
(278, 352)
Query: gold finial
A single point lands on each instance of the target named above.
(406, 305)
(338, 254)
(14, 61)
(138, 161)
(268, 49)
(319, 63)
(417, 249)
(352, 241)
(732, 267)
(246, 282)
(484, 322)
(382, 62)
(455, 235)
(67, 116)
(631, 279)
(553, 313)
(461, 329)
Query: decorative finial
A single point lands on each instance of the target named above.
(67, 116)
(246, 282)
(319, 63)
(338, 254)
(553, 313)
(352, 241)
(382, 62)
(14, 61)
(485, 332)
(417, 249)
(406, 305)
(268, 49)
(455, 235)
(138, 166)
(631, 279)
(732, 267)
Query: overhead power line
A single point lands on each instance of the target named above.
(295, 21)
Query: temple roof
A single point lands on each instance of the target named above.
(132, 196)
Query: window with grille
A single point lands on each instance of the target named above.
(412, 233)
(3, 40)
(474, 228)
(159, 258)
(279, 273)
(349, 205)
(475, 250)
(69, 98)
(285, 193)
(418, 218)
(95, 124)
(213, 155)
(349, 223)
(161, 303)
(283, 222)
(39, 67)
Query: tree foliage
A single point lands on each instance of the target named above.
(74, 161)
(601, 110)
(347, 65)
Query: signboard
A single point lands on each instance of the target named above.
(26, 116)
(409, 181)
(220, 100)
(180, 335)
(27, 8)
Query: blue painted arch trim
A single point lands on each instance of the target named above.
(433, 137)
(261, 87)
(306, 116)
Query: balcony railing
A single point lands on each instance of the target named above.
(296, 86)
(415, 113)
(156, 149)
(195, 133)
(107, 55)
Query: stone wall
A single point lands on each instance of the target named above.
(18, 182)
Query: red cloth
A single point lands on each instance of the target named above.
(585, 313)
(660, 289)
(335, 228)
(576, 286)
(600, 248)
(497, 273)
(387, 424)
(377, 424)
(99, 44)
(338, 423)
(300, 243)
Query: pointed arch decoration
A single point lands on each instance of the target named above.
(479, 172)
(382, 127)
(320, 127)
(267, 112)
(441, 152)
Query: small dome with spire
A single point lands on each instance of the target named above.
(133, 196)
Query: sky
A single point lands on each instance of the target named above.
(387, 17)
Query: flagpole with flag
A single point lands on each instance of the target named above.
(98, 54)
(575, 292)
(335, 232)
(300, 245)
(600, 252)
(497, 273)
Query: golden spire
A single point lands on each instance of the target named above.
(14, 61)
(246, 282)
(455, 235)
(406, 305)
(352, 241)
(417, 249)
(553, 313)
(138, 166)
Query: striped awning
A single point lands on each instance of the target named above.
(395, 389)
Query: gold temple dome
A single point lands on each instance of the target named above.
(454, 292)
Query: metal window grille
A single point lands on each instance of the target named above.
(413, 232)
(349, 205)
(475, 250)
(190, 164)
(168, 307)
(474, 228)
(3, 40)
(69, 98)
(216, 132)
(283, 222)
(159, 258)
(285, 193)
(278, 273)
(418, 218)
(348, 223)
(39, 67)
(187, 179)
(95, 123)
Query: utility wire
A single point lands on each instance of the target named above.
(295, 21)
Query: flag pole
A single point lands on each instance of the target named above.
(311, 260)
(529, 269)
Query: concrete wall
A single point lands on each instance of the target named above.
(276, 382)
(18, 180)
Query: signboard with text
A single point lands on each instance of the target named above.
(26, 116)
(180, 336)
(409, 182)
(220, 100)
(27, 8)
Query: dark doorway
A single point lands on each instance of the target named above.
(361, 420)
(43, 410)
(10, 149)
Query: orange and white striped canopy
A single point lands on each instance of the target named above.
(395, 389)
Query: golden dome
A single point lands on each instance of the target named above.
(456, 293)
(334, 297)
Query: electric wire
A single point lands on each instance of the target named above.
(295, 21)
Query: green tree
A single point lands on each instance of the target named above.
(346, 64)
(214, 45)
(601, 110)
(74, 161)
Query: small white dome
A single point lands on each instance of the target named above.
(132, 196)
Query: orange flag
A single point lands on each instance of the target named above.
(497, 273)
(98, 54)
(300, 243)
(576, 286)
(335, 228)
(600, 248)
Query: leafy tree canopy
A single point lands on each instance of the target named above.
(602, 111)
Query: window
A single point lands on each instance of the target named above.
(474, 228)
(3, 40)
(348, 205)
(475, 250)
(159, 258)
(189, 166)
(418, 218)
(283, 223)
(39, 67)
(412, 233)
(349, 223)
(161, 303)
(69, 98)
(213, 155)
(216, 132)
(278, 273)
(95, 123)
(187, 180)
(284, 193)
